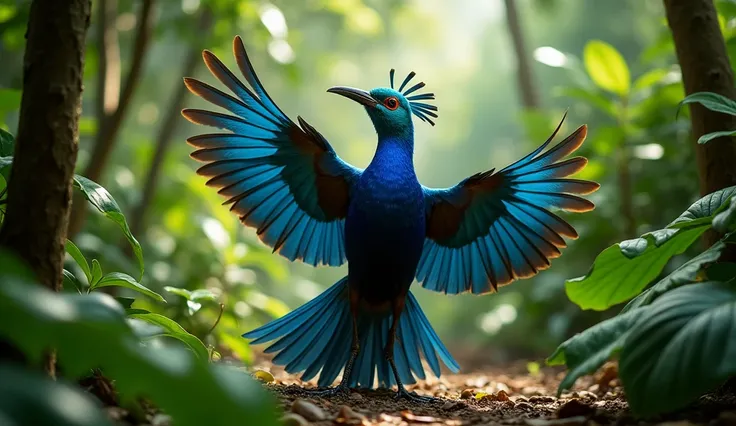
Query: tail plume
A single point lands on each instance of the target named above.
(316, 339)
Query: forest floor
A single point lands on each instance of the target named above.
(488, 396)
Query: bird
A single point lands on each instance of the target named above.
(285, 180)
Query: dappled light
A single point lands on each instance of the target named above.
(501, 212)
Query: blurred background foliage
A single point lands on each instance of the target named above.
(610, 64)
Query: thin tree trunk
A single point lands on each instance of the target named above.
(109, 129)
(108, 72)
(39, 190)
(701, 52)
(527, 88)
(166, 132)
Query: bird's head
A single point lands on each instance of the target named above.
(391, 109)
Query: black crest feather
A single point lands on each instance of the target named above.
(420, 109)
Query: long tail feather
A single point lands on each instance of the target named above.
(317, 337)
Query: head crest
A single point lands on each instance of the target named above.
(420, 109)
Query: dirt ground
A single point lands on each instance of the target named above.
(488, 396)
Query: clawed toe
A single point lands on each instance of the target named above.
(414, 397)
(331, 392)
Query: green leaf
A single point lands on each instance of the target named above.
(623, 270)
(592, 98)
(712, 101)
(5, 163)
(179, 292)
(725, 221)
(586, 352)
(70, 280)
(685, 274)
(78, 257)
(200, 295)
(606, 67)
(7, 144)
(30, 398)
(103, 201)
(682, 346)
(703, 209)
(96, 274)
(715, 135)
(172, 329)
(650, 78)
(118, 279)
(125, 302)
(10, 100)
(90, 331)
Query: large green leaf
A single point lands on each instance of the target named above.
(685, 274)
(703, 210)
(103, 201)
(172, 329)
(586, 352)
(725, 221)
(712, 101)
(7, 144)
(90, 331)
(623, 270)
(683, 345)
(606, 67)
(29, 398)
(119, 279)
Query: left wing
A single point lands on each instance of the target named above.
(281, 178)
(493, 228)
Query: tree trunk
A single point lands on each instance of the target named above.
(701, 52)
(108, 52)
(165, 133)
(527, 88)
(39, 191)
(108, 130)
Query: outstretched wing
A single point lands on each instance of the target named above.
(281, 178)
(493, 228)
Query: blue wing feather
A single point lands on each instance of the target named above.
(282, 179)
(493, 228)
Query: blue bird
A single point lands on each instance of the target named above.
(286, 181)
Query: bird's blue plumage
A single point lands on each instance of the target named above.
(285, 180)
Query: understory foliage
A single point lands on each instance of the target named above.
(93, 332)
(676, 336)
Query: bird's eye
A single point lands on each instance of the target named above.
(391, 103)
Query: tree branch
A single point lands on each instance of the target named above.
(108, 72)
(527, 88)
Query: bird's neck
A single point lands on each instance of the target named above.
(395, 154)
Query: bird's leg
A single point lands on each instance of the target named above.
(342, 388)
(398, 307)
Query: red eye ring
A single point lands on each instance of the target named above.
(391, 103)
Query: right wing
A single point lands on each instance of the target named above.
(283, 179)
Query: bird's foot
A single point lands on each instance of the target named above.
(338, 390)
(414, 397)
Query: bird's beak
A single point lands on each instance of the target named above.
(358, 95)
